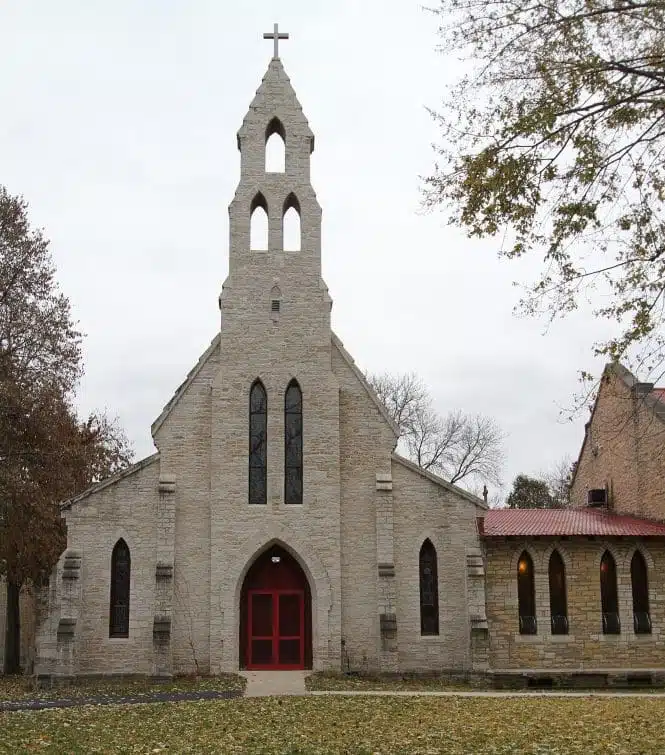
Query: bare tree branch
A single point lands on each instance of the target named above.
(458, 447)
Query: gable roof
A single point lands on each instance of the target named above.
(565, 522)
(182, 388)
(139, 465)
(439, 481)
(654, 398)
(363, 381)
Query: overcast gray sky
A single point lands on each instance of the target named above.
(118, 126)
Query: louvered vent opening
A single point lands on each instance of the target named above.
(274, 306)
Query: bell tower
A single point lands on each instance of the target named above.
(274, 112)
(275, 334)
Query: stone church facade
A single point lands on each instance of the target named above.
(274, 527)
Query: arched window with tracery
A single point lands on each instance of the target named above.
(609, 596)
(429, 590)
(275, 147)
(558, 597)
(526, 594)
(258, 224)
(293, 468)
(640, 587)
(258, 443)
(120, 584)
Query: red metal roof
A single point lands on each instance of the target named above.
(557, 522)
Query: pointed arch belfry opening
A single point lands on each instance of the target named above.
(275, 147)
(291, 224)
(275, 613)
(258, 223)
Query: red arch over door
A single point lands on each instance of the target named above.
(275, 614)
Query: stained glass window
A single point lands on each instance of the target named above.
(526, 594)
(429, 590)
(120, 581)
(293, 443)
(640, 587)
(258, 444)
(558, 598)
(608, 594)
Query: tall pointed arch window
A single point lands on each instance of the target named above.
(558, 597)
(293, 444)
(275, 147)
(258, 224)
(609, 596)
(640, 588)
(291, 231)
(429, 590)
(120, 584)
(258, 444)
(526, 594)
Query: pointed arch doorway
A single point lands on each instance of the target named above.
(275, 614)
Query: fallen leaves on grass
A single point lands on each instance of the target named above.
(23, 687)
(328, 681)
(358, 725)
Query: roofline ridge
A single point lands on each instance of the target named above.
(146, 461)
(450, 486)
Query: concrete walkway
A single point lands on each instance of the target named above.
(265, 683)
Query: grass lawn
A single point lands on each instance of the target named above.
(23, 687)
(417, 726)
(331, 681)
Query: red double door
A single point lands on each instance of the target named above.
(276, 624)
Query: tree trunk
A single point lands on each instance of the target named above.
(13, 630)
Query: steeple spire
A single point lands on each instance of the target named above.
(275, 36)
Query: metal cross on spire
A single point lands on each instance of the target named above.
(275, 36)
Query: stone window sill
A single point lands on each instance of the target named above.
(527, 639)
(560, 638)
(430, 637)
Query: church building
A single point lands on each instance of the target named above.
(275, 527)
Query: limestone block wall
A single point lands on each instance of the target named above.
(125, 509)
(424, 509)
(624, 449)
(239, 531)
(366, 443)
(184, 442)
(585, 647)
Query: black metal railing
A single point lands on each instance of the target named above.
(528, 625)
(611, 623)
(559, 624)
(642, 622)
(119, 625)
